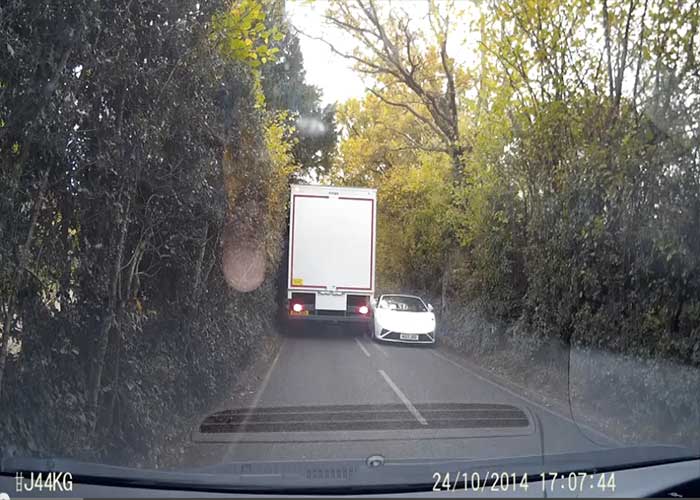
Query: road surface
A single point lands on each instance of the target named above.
(332, 395)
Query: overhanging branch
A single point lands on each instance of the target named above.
(411, 110)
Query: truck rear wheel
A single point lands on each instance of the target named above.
(369, 333)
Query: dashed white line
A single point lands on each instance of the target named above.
(528, 401)
(364, 349)
(404, 399)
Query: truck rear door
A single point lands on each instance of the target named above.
(332, 241)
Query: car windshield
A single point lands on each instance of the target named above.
(402, 303)
(214, 213)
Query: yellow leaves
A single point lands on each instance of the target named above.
(376, 137)
(387, 148)
(414, 198)
(259, 94)
(243, 33)
(278, 133)
(231, 182)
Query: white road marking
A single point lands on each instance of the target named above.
(528, 401)
(230, 453)
(364, 349)
(404, 399)
(263, 386)
(267, 378)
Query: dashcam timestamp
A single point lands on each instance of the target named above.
(550, 482)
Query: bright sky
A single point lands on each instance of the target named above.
(328, 71)
(332, 73)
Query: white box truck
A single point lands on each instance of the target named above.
(332, 233)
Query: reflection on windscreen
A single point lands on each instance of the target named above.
(398, 303)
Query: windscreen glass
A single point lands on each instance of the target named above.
(220, 220)
(399, 303)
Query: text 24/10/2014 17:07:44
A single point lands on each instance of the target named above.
(503, 481)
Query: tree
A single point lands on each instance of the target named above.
(285, 87)
(130, 138)
(396, 54)
(581, 163)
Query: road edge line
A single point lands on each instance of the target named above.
(364, 349)
(268, 376)
(256, 400)
(407, 402)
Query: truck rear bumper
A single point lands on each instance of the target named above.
(329, 318)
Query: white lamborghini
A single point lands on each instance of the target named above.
(402, 318)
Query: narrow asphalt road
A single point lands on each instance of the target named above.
(332, 395)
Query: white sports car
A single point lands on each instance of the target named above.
(402, 318)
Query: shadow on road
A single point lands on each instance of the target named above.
(323, 331)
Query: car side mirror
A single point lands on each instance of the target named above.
(430, 307)
(373, 301)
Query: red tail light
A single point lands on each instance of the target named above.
(363, 309)
(297, 307)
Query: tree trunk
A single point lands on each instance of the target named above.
(456, 157)
(623, 57)
(445, 281)
(108, 318)
(606, 26)
(443, 292)
(635, 91)
(23, 258)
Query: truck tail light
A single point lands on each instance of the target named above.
(297, 307)
(363, 309)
